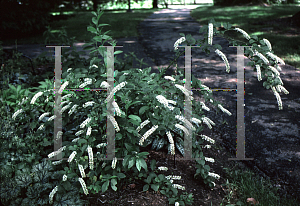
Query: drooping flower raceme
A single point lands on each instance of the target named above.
(17, 113)
(34, 98)
(65, 107)
(224, 59)
(72, 156)
(196, 121)
(209, 159)
(243, 32)
(268, 44)
(81, 170)
(190, 126)
(43, 115)
(88, 104)
(87, 81)
(114, 122)
(52, 193)
(66, 96)
(172, 147)
(72, 109)
(91, 158)
(278, 100)
(214, 175)
(52, 118)
(207, 138)
(204, 107)
(210, 33)
(104, 84)
(57, 162)
(63, 87)
(79, 132)
(262, 57)
(274, 70)
(207, 121)
(170, 78)
(85, 122)
(142, 125)
(101, 145)
(178, 186)
(117, 109)
(258, 72)
(83, 186)
(185, 91)
(164, 101)
(89, 130)
(224, 110)
(114, 163)
(162, 168)
(179, 41)
(65, 178)
(115, 89)
(276, 58)
(281, 88)
(41, 127)
(147, 134)
(182, 128)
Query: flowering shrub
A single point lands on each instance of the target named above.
(146, 115)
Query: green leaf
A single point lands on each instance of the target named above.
(94, 13)
(121, 175)
(94, 20)
(142, 163)
(182, 34)
(155, 187)
(97, 38)
(67, 185)
(92, 29)
(113, 182)
(135, 117)
(145, 188)
(82, 141)
(100, 25)
(255, 37)
(153, 164)
(143, 109)
(114, 188)
(138, 165)
(105, 186)
(118, 52)
(131, 162)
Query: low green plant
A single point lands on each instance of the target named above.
(140, 98)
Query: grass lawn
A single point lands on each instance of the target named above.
(286, 46)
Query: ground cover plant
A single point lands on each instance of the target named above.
(63, 182)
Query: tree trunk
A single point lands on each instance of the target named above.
(154, 4)
(129, 9)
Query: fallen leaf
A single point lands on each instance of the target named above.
(252, 201)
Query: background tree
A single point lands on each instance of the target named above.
(24, 17)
